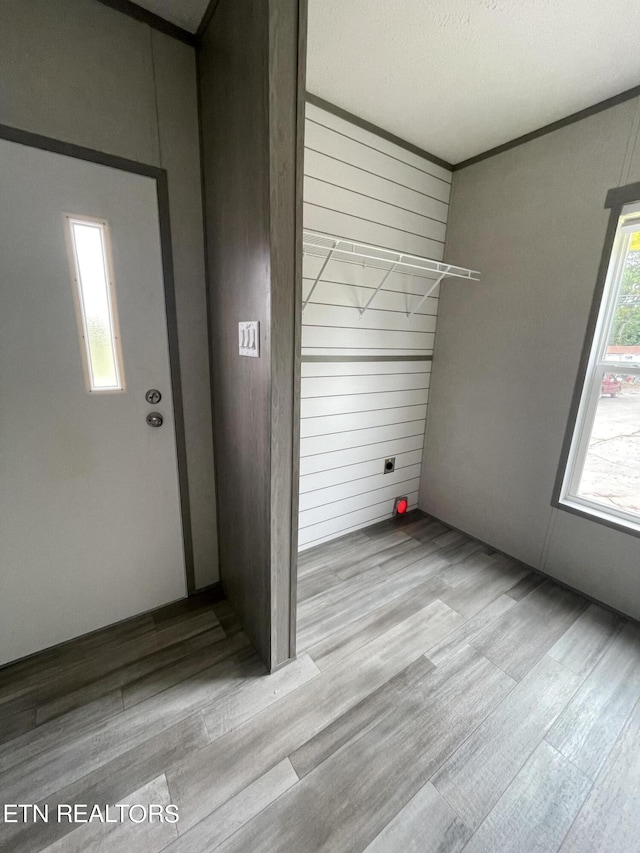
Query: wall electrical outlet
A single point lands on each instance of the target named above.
(249, 338)
(401, 505)
(389, 465)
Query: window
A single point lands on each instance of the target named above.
(602, 475)
(89, 253)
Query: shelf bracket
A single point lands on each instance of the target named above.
(428, 293)
(319, 276)
(375, 292)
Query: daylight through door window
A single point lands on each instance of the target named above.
(91, 272)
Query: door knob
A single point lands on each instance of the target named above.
(155, 419)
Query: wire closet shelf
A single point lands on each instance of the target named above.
(388, 262)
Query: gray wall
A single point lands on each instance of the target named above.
(248, 66)
(507, 350)
(81, 72)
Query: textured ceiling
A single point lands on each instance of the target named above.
(457, 77)
(184, 13)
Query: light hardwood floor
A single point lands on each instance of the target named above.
(444, 698)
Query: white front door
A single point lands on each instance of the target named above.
(90, 521)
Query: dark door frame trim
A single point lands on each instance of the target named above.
(67, 149)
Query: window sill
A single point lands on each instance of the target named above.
(599, 515)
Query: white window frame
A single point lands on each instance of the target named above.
(103, 225)
(597, 366)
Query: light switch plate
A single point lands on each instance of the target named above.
(249, 338)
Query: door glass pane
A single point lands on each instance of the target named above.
(97, 304)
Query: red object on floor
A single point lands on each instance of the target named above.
(402, 507)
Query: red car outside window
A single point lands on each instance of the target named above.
(611, 386)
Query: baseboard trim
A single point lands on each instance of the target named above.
(543, 574)
(214, 591)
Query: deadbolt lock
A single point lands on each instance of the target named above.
(155, 419)
(153, 396)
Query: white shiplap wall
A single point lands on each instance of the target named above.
(356, 413)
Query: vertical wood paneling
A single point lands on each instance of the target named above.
(235, 145)
(248, 74)
(356, 413)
